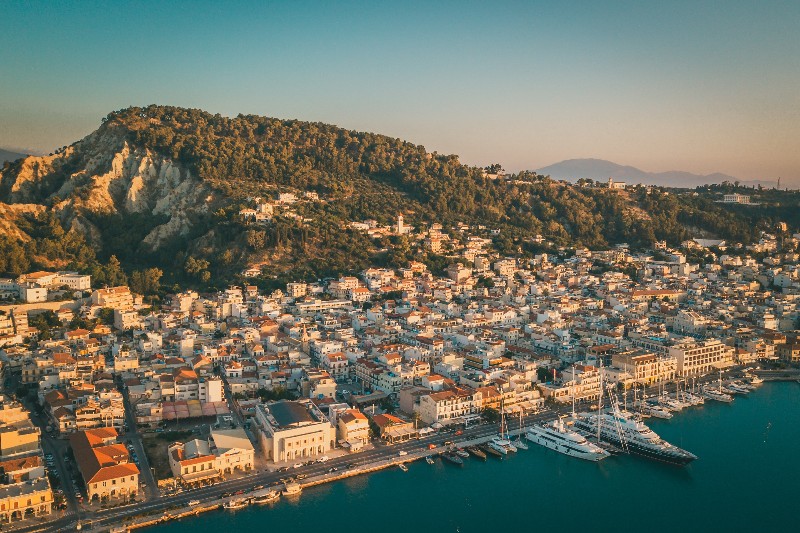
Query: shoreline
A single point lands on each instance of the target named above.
(154, 512)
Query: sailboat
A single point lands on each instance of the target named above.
(501, 442)
(718, 394)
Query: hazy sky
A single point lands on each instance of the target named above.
(662, 85)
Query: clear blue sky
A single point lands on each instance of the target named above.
(688, 85)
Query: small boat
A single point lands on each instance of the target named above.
(291, 489)
(429, 459)
(717, 395)
(744, 384)
(490, 450)
(269, 497)
(737, 389)
(453, 459)
(477, 452)
(755, 380)
(462, 453)
(403, 467)
(694, 399)
(519, 443)
(657, 411)
(236, 503)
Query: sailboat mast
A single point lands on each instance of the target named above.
(573, 391)
(599, 404)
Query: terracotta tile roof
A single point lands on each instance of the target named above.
(98, 461)
(115, 472)
(13, 465)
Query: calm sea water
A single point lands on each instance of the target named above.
(747, 478)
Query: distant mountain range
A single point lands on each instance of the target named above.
(601, 170)
(7, 155)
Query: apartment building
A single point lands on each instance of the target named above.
(699, 358)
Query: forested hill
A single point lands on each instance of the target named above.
(164, 187)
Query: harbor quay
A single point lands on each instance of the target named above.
(213, 497)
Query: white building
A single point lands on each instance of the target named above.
(233, 450)
(699, 358)
(736, 199)
(293, 430)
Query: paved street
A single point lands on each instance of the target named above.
(379, 453)
(150, 485)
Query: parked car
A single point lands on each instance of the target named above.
(402, 453)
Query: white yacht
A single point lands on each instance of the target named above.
(718, 395)
(502, 445)
(694, 399)
(268, 497)
(656, 411)
(626, 431)
(556, 436)
(672, 405)
(737, 388)
(236, 503)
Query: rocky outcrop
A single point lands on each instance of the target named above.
(9, 215)
(103, 174)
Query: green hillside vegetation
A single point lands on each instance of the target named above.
(362, 176)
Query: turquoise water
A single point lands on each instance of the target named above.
(747, 478)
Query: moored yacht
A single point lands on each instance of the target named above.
(556, 436)
(656, 411)
(488, 449)
(737, 388)
(694, 399)
(269, 497)
(625, 431)
(477, 452)
(501, 445)
(236, 503)
(717, 395)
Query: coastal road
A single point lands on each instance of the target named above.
(116, 516)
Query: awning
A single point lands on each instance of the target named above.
(199, 476)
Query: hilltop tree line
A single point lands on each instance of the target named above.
(362, 176)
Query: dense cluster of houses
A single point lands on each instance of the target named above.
(25, 490)
(391, 353)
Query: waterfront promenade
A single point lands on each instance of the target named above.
(211, 497)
